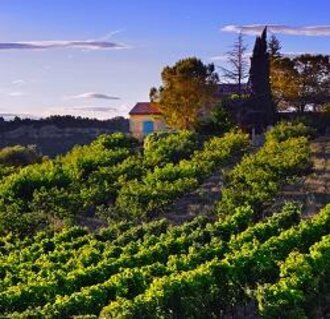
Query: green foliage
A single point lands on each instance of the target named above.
(220, 120)
(152, 195)
(162, 148)
(115, 141)
(313, 72)
(71, 184)
(188, 89)
(152, 270)
(199, 269)
(303, 285)
(90, 178)
(22, 225)
(258, 177)
(301, 81)
(285, 130)
(216, 286)
(19, 155)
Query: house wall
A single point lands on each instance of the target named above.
(136, 124)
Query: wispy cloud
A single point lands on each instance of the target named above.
(94, 95)
(15, 94)
(62, 44)
(111, 34)
(255, 29)
(10, 116)
(224, 57)
(293, 54)
(18, 82)
(94, 109)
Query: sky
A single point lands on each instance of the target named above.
(97, 58)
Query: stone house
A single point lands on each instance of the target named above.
(145, 118)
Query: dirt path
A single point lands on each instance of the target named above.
(313, 191)
(202, 200)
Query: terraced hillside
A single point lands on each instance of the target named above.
(313, 190)
(243, 263)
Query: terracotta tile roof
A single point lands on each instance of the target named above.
(144, 108)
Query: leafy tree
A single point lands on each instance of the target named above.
(238, 64)
(300, 81)
(221, 119)
(314, 80)
(188, 91)
(285, 83)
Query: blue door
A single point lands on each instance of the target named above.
(148, 127)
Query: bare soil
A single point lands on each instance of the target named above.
(313, 190)
(200, 201)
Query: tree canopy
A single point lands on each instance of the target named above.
(188, 90)
(300, 81)
(314, 80)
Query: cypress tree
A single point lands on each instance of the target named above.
(260, 79)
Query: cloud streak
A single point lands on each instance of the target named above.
(18, 82)
(15, 94)
(62, 44)
(94, 95)
(224, 57)
(10, 116)
(255, 29)
(94, 109)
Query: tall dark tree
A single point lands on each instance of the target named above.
(260, 79)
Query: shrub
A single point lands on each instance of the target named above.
(165, 147)
(286, 130)
(19, 155)
(220, 120)
(257, 179)
(115, 140)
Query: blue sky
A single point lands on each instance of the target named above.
(97, 58)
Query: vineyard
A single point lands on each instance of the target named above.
(245, 261)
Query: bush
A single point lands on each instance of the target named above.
(159, 188)
(19, 155)
(72, 184)
(22, 225)
(256, 180)
(286, 130)
(221, 120)
(165, 147)
(115, 140)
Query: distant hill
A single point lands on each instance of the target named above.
(57, 134)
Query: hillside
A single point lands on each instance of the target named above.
(312, 190)
(57, 134)
(246, 261)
